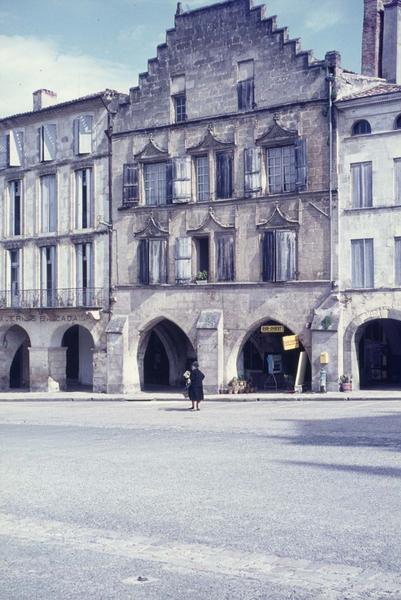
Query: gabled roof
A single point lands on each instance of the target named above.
(377, 90)
(107, 93)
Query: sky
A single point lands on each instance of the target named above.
(77, 47)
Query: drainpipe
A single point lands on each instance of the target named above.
(330, 80)
(109, 224)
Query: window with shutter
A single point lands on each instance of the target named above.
(202, 178)
(362, 263)
(82, 128)
(182, 179)
(152, 257)
(225, 258)
(15, 207)
(48, 275)
(246, 85)
(361, 181)
(279, 255)
(281, 169)
(183, 259)
(252, 171)
(224, 175)
(16, 149)
(15, 276)
(84, 271)
(84, 199)
(48, 203)
(47, 142)
(4, 150)
(130, 184)
(158, 183)
(301, 165)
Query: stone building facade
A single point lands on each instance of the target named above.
(54, 243)
(221, 189)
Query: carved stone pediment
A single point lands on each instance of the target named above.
(210, 142)
(210, 219)
(277, 135)
(277, 219)
(152, 229)
(152, 152)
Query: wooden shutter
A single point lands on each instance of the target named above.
(225, 258)
(75, 129)
(397, 173)
(143, 261)
(268, 256)
(47, 142)
(169, 182)
(182, 179)
(130, 183)
(397, 257)
(224, 174)
(183, 259)
(301, 165)
(285, 255)
(16, 150)
(252, 171)
(52, 203)
(369, 263)
(85, 134)
(356, 184)
(4, 145)
(367, 185)
(158, 261)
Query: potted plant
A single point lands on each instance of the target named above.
(201, 277)
(345, 383)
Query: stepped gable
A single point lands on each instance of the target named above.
(207, 31)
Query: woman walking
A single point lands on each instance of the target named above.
(195, 389)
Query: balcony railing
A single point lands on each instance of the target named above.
(58, 298)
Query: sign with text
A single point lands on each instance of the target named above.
(272, 329)
(290, 342)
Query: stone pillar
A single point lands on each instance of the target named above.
(392, 42)
(372, 38)
(122, 369)
(100, 371)
(57, 366)
(210, 351)
(4, 369)
(39, 369)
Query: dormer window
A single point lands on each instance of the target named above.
(83, 126)
(178, 96)
(361, 127)
(246, 85)
(398, 122)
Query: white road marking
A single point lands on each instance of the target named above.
(327, 580)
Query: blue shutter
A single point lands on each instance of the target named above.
(268, 256)
(143, 260)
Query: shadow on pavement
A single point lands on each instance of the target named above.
(366, 470)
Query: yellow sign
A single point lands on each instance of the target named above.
(272, 329)
(290, 342)
(324, 358)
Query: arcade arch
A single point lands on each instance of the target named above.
(79, 345)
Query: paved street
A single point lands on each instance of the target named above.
(272, 501)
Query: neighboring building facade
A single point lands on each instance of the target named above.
(54, 244)
(221, 205)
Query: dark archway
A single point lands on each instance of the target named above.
(267, 365)
(18, 342)
(379, 354)
(163, 356)
(79, 357)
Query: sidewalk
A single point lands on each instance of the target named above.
(21, 396)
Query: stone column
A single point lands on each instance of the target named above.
(100, 371)
(210, 350)
(57, 366)
(39, 369)
(122, 369)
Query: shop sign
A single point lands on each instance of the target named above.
(272, 329)
(290, 342)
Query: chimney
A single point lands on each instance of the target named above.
(43, 99)
(372, 38)
(392, 42)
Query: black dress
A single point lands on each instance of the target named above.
(195, 390)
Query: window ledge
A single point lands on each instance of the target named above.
(372, 208)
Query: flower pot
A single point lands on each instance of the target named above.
(346, 387)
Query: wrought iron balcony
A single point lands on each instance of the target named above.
(57, 298)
